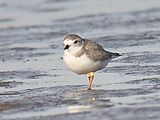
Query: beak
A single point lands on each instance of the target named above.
(66, 47)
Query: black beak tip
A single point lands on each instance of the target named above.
(66, 47)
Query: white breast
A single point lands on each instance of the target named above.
(83, 64)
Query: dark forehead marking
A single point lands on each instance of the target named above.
(72, 37)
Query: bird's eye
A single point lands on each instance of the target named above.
(75, 42)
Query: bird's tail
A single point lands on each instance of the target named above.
(115, 55)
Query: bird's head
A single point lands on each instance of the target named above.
(73, 43)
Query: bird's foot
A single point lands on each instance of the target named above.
(89, 89)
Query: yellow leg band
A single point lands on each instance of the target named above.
(90, 74)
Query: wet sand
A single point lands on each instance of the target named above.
(36, 85)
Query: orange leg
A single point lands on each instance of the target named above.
(90, 80)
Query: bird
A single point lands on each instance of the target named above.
(84, 56)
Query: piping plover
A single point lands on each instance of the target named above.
(84, 56)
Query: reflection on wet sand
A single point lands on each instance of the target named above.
(8, 106)
(79, 108)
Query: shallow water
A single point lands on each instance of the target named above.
(36, 85)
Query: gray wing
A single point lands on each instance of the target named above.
(95, 51)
